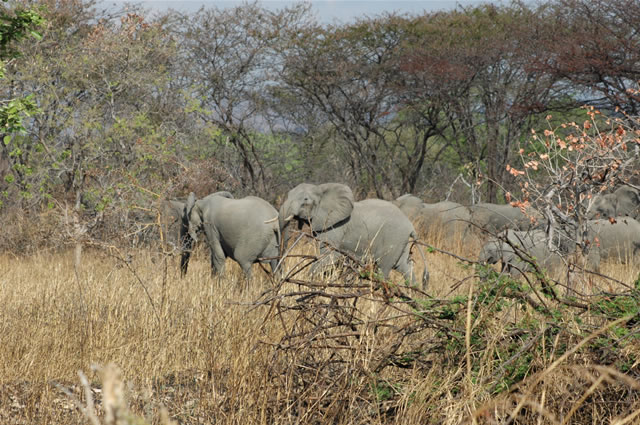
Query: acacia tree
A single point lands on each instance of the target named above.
(479, 59)
(594, 47)
(565, 168)
(95, 88)
(111, 132)
(349, 75)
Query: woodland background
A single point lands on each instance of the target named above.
(130, 109)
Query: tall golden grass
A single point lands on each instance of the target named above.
(201, 348)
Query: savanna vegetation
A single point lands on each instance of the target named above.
(104, 114)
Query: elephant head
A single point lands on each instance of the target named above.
(623, 202)
(320, 206)
(604, 206)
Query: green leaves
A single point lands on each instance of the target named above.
(16, 26)
(12, 113)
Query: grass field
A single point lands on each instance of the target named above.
(209, 352)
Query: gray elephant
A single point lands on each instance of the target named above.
(372, 228)
(245, 230)
(532, 243)
(454, 219)
(496, 217)
(617, 239)
(624, 201)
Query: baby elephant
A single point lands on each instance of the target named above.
(533, 243)
(243, 229)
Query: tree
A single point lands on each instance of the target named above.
(226, 59)
(349, 76)
(101, 93)
(595, 49)
(15, 25)
(478, 64)
(565, 168)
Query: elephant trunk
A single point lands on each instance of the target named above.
(187, 246)
(284, 218)
(186, 238)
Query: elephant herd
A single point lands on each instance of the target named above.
(612, 229)
(251, 230)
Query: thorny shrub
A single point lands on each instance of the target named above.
(566, 167)
(357, 346)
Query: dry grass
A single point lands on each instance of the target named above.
(200, 347)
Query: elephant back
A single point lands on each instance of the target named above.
(383, 225)
(618, 237)
(497, 217)
(410, 205)
(448, 217)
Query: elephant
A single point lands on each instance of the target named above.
(624, 201)
(245, 230)
(495, 217)
(532, 242)
(372, 228)
(617, 238)
(454, 218)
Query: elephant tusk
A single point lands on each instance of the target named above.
(274, 219)
(288, 218)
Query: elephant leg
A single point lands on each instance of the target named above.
(217, 262)
(247, 268)
(217, 253)
(245, 255)
(247, 273)
(327, 259)
(273, 264)
(404, 265)
(505, 267)
(273, 252)
(186, 246)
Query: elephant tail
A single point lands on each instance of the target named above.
(276, 231)
(278, 235)
(275, 227)
(425, 271)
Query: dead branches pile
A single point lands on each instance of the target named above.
(352, 345)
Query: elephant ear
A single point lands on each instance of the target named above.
(188, 206)
(335, 205)
(174, 210)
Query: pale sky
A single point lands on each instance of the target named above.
(327, 11)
